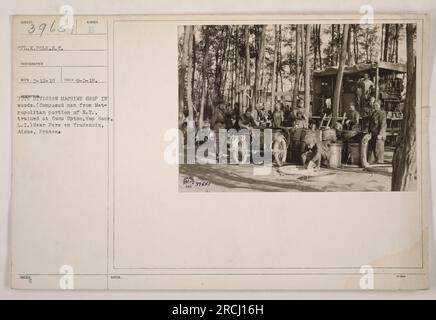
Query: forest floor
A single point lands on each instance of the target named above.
(241, 178)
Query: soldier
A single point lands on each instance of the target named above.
(218, 120)
(377, 129)
(352, 122)
(237, 112)
(367, 112)
(229, 115)
(247, 121)
(327, 107)
(315, 153)
(278, 116)
(289, 117)
(367, 85)
(254, 112)
(300, 115)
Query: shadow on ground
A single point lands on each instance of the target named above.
(240, 178)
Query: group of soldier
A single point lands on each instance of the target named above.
(282, 115)
(372, 121)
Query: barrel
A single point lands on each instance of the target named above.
(329, 134)
(335, 151)
(297, 147)
(299, 141)
(296, 134)
(354, 153)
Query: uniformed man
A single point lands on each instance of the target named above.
(289, 116)
(367, 85)
(277, 116)
(377, 129)
(314, 154)
(218, 120)
(300, 115)
(229, 116)
(352, 122)
(247, 121)
(237, 113)
(327, 107)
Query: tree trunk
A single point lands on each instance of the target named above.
(194, 63)
(226, 56)
(349, 46)
(247, 63)
(404, 160)
(338, 86)
(237, 67)
(217, 79)
(182, 72)
(274, 71)
(279, 62)
(397, 35)
(386, 43)
(297, 66)
(340, 45)
(189, 81)
(314, 44)
(367, 47)
(356, 44)
(204, 76)
(381, 42)
(319, 46)
(260, 56)
(307, 77)
(234, 70)
(333, 45)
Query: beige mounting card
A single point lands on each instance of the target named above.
(101, 106)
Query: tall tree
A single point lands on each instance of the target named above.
(339, 44)
(382, 42)
(183, 70)
(308, 61)
(279, 60)
(194, 64)
(397, 36)
(190, 80)
(333, 45)
(340, 75)
(314, 44)
(349, 46)
(317, 59)
(259, 61)
(356, 44)
(236, 67)
(274, 71)
(386, 42)
(297, 65)
(404, 160)
(225, 61)
(204, 89)
(247, 63)
(319, 47)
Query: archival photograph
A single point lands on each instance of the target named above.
(293, 107)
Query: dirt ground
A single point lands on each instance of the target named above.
(240, 178)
